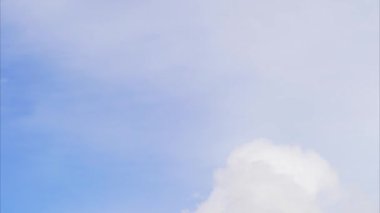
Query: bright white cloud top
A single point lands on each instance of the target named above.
(263, 177)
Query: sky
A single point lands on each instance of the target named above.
(198, 106)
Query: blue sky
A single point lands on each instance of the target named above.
(141, 106)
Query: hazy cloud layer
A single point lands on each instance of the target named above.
(238, 57)
(202, 42)
(183, 78)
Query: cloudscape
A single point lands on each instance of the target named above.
(208, 106)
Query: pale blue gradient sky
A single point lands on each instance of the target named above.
(129, 106)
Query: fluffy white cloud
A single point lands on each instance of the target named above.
(263, 177)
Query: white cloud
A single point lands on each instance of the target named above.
(263, 177)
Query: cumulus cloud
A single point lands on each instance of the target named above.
(263, 177)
